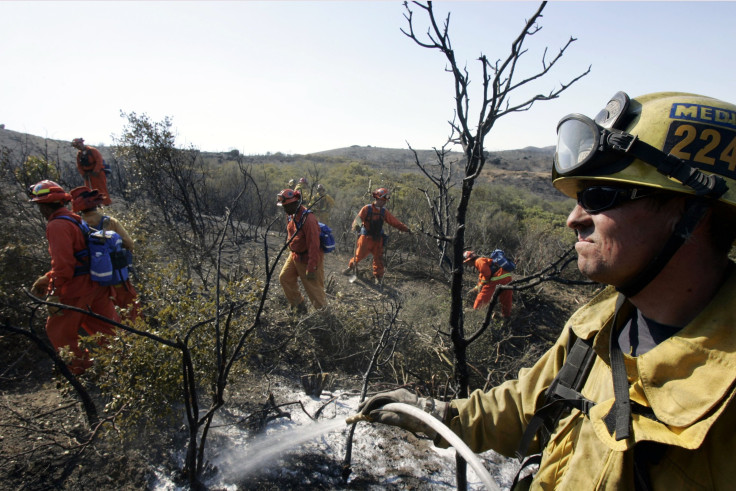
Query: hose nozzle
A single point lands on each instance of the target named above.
(355, 418)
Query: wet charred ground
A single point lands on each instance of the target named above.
(299, 455)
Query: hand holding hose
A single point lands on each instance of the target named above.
(410, 412)
(372, 410)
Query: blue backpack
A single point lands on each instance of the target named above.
(326, 239)
(104, 259)
(500, 260)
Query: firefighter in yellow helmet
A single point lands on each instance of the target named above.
(322, 204)
(639, 391)
(302, 187)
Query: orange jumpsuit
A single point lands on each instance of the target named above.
(306, 256)
(372, 243)
(487, 281)
(93, 173)
(124, 294)
(65, 238)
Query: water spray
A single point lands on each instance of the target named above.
(444, 431)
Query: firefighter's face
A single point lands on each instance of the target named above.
(615, 244)
(290, 208)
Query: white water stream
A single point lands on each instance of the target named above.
(265, 450)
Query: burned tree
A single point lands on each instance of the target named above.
(500, 81)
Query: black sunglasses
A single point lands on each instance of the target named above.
(595, 199)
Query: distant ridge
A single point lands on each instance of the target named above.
(532, 159)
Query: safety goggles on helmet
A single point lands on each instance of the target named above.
(381, 193)
(587, 147)
(287, 196)
(595, 199)
(48, 192)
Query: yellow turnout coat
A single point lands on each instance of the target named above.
(688, 381)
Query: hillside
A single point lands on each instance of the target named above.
(527, 168)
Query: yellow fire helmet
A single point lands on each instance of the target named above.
(672, 141)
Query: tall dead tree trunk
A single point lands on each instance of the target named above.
(499, 83)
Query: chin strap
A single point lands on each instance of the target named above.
(695, 209)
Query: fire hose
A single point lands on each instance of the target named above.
(445, 432)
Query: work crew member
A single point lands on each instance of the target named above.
(306, 260)
(67, 283)
(322, 204)
(86, 202)
(371, 238)
(655, 407)
(489, 276)
(303, 188)
(90, 165)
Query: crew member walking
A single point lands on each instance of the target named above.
(306, 260)
(371, 239)
(67, 282)
(489, 276)
(90, 165)
(87, 203)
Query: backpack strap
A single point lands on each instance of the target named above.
(618, 419)
(369, 219)
(103, 221)
(83, 255)
(562, 395)
(299, 226)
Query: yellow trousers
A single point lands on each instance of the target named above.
(315, 288)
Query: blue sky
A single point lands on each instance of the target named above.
(305, 76)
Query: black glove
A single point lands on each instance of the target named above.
(372, 409)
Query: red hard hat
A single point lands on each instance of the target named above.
(84, 198)
(302, 180)
(77, 141)
(381, 193)
(468, 256)
(48, 192)
(287, 196)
